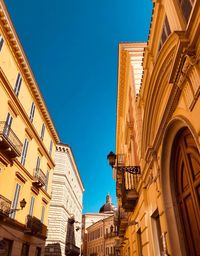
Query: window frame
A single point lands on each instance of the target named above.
(166, 31)
(25, 249)
(24, 151)
(43, 214)
(31, 208)
(50, 147)
(15, 200)
(184, 5)
(18, 84)
(47, 180)
(1, 42)
(157, 233)
(42, 132)
(32, 112)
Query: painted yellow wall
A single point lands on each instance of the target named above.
(9, 68)
(155, 93)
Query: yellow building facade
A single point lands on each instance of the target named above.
(101, 238)
(28, 140)
(157, 161)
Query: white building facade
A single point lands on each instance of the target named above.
(65, 212)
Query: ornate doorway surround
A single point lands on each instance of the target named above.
(180, 182)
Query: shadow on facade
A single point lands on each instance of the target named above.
(53, 250)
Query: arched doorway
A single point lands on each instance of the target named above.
(185, 164)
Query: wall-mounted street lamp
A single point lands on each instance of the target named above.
(22, 205)
(114, 163)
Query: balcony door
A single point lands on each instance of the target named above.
(186, 169)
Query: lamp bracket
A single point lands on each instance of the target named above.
(130, 169)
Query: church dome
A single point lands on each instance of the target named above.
(108, 207)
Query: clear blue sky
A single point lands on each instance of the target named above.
(72, 47)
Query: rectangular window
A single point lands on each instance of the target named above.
(8, 124)
(42, 132)
(157, 233)
(24, 152)
(15, 200)
(50, 147)
(31, 206)
(25, 249)
(186, 7)
(18, 84)
(139, 242)
(6, 247)
(38, 164)
(165, 32)
(42, 215)
(1, 42)
(32, 112)
(47, 180)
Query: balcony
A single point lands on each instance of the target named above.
(5, 206)
(128, 186)
(10, 145)
(72, 250)
(118, 242)
(39, 178)
(110, 235)
(35, 227)
(122, 222)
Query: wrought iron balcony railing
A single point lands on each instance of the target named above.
(39, 178)
(35, 227)
(5, 205)
(110, 235)
(10, 144)
(118, 243)
(127, 182)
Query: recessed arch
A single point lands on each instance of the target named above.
(156, 95)
(174, 224)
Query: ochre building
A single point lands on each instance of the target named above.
(99, 231)
(158, 135)
(28, 141)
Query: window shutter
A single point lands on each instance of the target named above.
(18, 84)
(32, 112)
(8, 124)
(15, 200)
(24, 152)
(31, 206)
(1, 42)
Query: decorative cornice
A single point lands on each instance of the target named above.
(35, 190)
(67, 149)
(44, 200)
(21, 177)
(18, 52)
(5, 161)
(29, 134)
(126, 60)
(12, 108)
